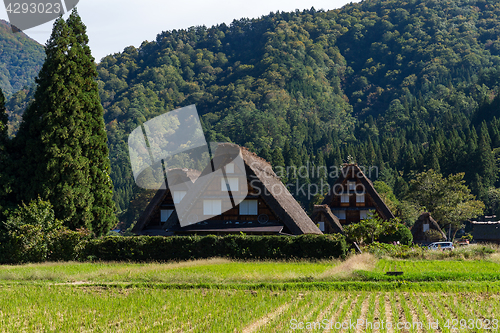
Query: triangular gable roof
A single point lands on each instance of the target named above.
(331, 218)
(417, 231)
(354, 169)
(153, 206)
(272, 190)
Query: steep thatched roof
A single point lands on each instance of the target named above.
(273, 192)
(355, 171)
(181, 175)
(418, 230)
(322, 213)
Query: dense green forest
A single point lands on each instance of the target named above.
(402, 85)
(20, 59)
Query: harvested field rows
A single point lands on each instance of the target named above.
(389, 312)
(88, 309)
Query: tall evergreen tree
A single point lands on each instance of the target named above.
(277, 158)
(486, 166)
(4, 156)
(94, 145)
(3, 127)
(266, 154)
(62, 136)
(279, 164)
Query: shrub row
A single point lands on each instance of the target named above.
(31, 244)
(146, 248)
(77, 246)
(473, 251)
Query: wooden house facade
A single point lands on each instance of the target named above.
(327, 222)
(353, 196)
(258, 202)
(162, 206)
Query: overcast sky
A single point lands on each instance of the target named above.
(113, 25)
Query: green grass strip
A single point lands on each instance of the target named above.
(441, 286)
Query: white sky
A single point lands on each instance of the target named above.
(113, 25)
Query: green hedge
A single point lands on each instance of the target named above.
(157, 248)
(65, 245)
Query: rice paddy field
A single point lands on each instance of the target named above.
(219, 295)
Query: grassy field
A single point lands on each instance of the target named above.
(196, 271)
(220, 271)
(46, 308)
(219, 295)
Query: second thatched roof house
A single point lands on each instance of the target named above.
(353, 196)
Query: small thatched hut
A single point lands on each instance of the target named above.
(426, 230)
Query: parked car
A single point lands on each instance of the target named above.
(441, 246)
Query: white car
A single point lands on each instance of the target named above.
(441, 246)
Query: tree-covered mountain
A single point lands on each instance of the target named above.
(20, 59)
(403, 85)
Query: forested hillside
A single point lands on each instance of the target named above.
(403, 85)
(20, 59)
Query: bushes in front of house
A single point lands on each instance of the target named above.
(29, 244)
(374, 229)
(158, 248)
(31, 233)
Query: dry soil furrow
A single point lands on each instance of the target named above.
(414, 314)
(345, 321)
(363, 314)
(426, 311)
(329, 308)
(388, 312)
(376, 313)
(254, 327)
(334, 318)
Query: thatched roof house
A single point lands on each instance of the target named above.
(327, 221)
(421, 230)
(153, 219)
(353, 196)
(261, 204)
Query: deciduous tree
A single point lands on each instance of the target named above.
(447, 199)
